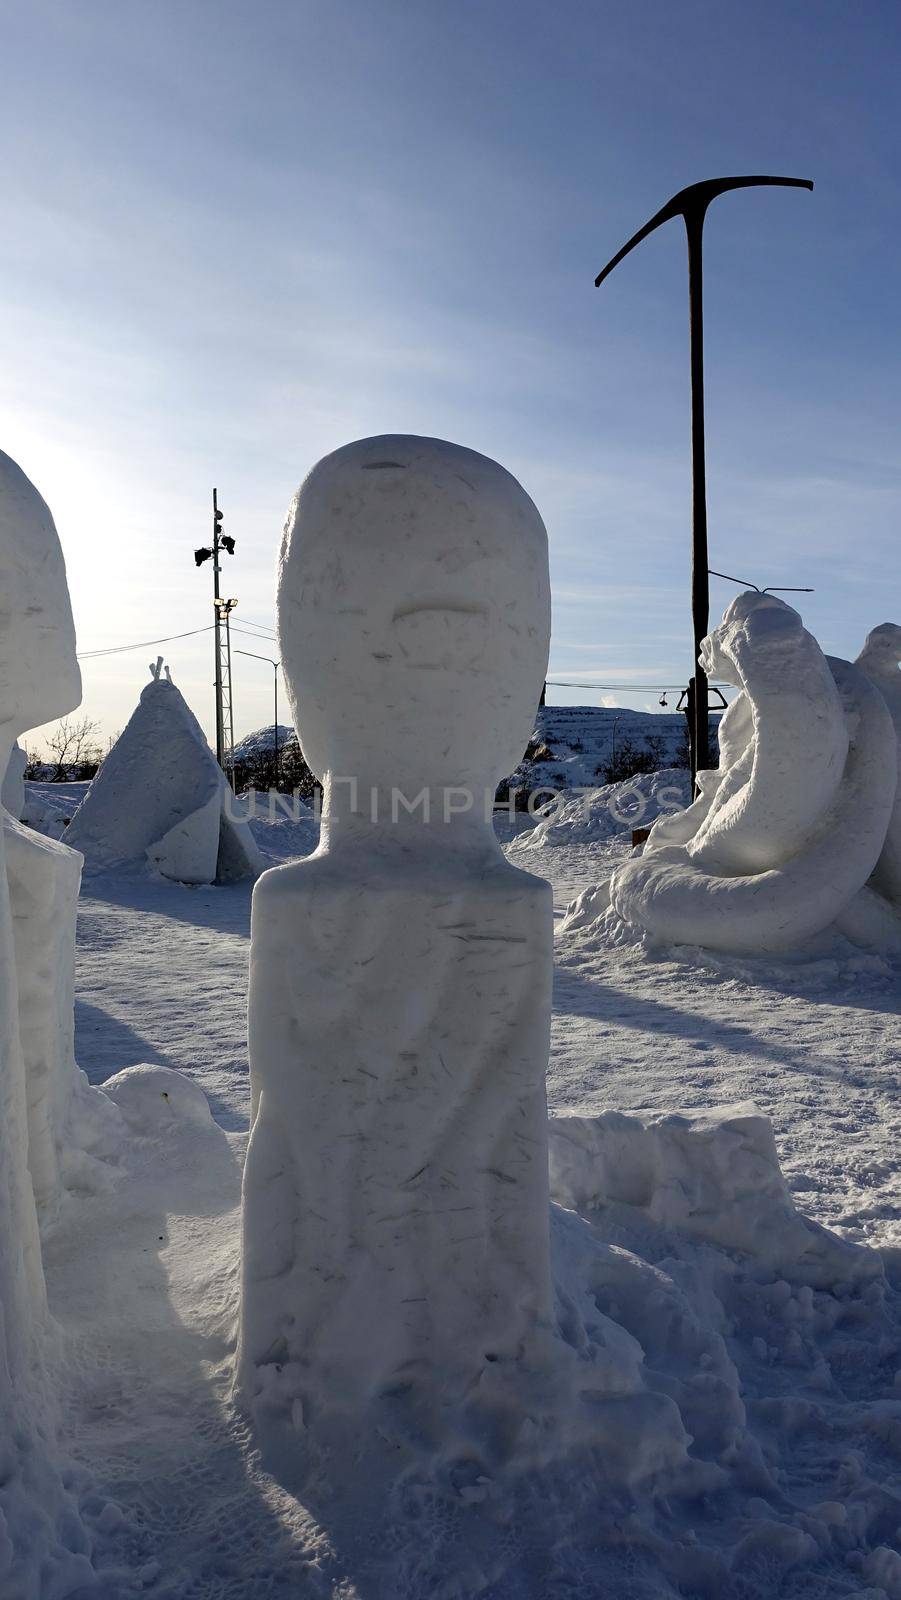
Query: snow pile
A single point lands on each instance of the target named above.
(49, 807)
(787, 831)
(610, 812)
(284, 826)
(160, 797)
(775, 1341)
(153, 1099)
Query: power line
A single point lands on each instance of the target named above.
(627, 688)
(265, 638)
(264, 625)
(553, 683)
(119, 649)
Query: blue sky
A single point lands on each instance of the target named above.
(236, 236)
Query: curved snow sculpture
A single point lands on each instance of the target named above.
(39, 680)
(161, 797)
(873, 918)
(789, 829)
(880, 659)
(396, 1254)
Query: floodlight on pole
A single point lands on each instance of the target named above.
(691, 205)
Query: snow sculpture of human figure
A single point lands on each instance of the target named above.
(785, 834)
(66, 1118)
(39, 680)
(395, 1248)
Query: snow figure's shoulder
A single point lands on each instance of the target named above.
(292, 879)
(38, 845)
(520, 879)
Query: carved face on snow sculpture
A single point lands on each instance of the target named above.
(885, 641)
(39, 674)
(414, 615)
(752, 623)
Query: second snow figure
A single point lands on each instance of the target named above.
(395, 1255)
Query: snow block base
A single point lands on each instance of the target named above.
(712, 1174)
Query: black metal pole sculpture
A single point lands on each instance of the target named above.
(691, 204)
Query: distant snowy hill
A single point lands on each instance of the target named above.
(570, 743)
(568, 746)
(262, 741)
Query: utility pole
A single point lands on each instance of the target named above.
(217, 622)
(222, 648)
(616, 722)
(691, 205)
(224, 609)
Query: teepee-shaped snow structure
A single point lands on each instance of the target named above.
(161, 796)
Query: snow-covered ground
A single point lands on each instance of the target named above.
(806, 1499)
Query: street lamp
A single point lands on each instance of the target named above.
(691, 205)
(275, 665)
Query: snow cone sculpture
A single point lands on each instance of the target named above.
(395, 1256)
(160, 797)
(787, 832)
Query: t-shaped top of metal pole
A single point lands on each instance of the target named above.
(691, 204)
